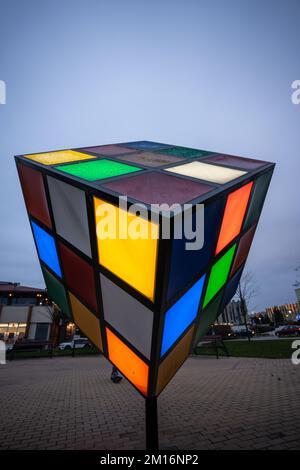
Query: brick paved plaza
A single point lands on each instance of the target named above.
(230, 403)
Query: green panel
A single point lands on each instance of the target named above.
(56, 292)
(218, 275)
(207, 318)
(185, 152)
(97, 169)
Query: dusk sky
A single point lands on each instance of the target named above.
(209, 74)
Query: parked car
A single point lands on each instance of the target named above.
(75, 343)
(225, 331)
(277, 329)
(241, 331)
(289, 330)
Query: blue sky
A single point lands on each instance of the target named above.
(202, 73)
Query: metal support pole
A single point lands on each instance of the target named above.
(151, 424)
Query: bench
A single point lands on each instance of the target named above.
(216, 342)
(29, 346)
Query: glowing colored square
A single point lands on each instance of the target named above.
(207, 318)
(98, 169)
(46, 248)
(187, 265)
(257, 200)
(70, 214)
(146, 145)
(179, 317)
(235, 209)
(131, 259)
(218, 275)
(129, 317)
(127, 362)
(237, 162)
(204, 171)
(243, 249)
(56, 292)
(174, 360)
(79, 276)
(231, 288)
(109, 150)
(150, 159)
(186, 152)
(34, 194)
(158, 188)
(62, 156)
(86, 321)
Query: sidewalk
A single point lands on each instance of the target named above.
(230, 403)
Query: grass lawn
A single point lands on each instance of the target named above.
(276, 349)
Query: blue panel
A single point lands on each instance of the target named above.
(181, 315)
(231, 288)
(146, 145)
(46, 248)
(186, 265)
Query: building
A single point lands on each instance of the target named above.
(289, 311)
(12, 293)
(26, 312)
(232, 313)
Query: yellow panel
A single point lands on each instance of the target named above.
(86, 321)
(173, 361)
(62, 156)
(131, 259)
(127, 362)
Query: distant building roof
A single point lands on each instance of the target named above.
(16, 287)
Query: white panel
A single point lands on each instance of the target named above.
(69, 209)
(129, 317)
(204, 171)
(12, 314)
(41, 314)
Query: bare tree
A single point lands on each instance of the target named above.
(297, 281)
(52, 312)
(246, 291)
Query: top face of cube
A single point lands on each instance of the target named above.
(141, 300)
(148, 172)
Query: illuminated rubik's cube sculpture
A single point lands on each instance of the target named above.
(141, 301)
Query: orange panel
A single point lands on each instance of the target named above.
(235, 209)
(127, 362)
(174, 360)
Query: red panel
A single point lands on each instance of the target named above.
(243, 249)
(79, 276)
(109, 150)
(158, 188)
(235, 209)
(237, 162)
(34, 194)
